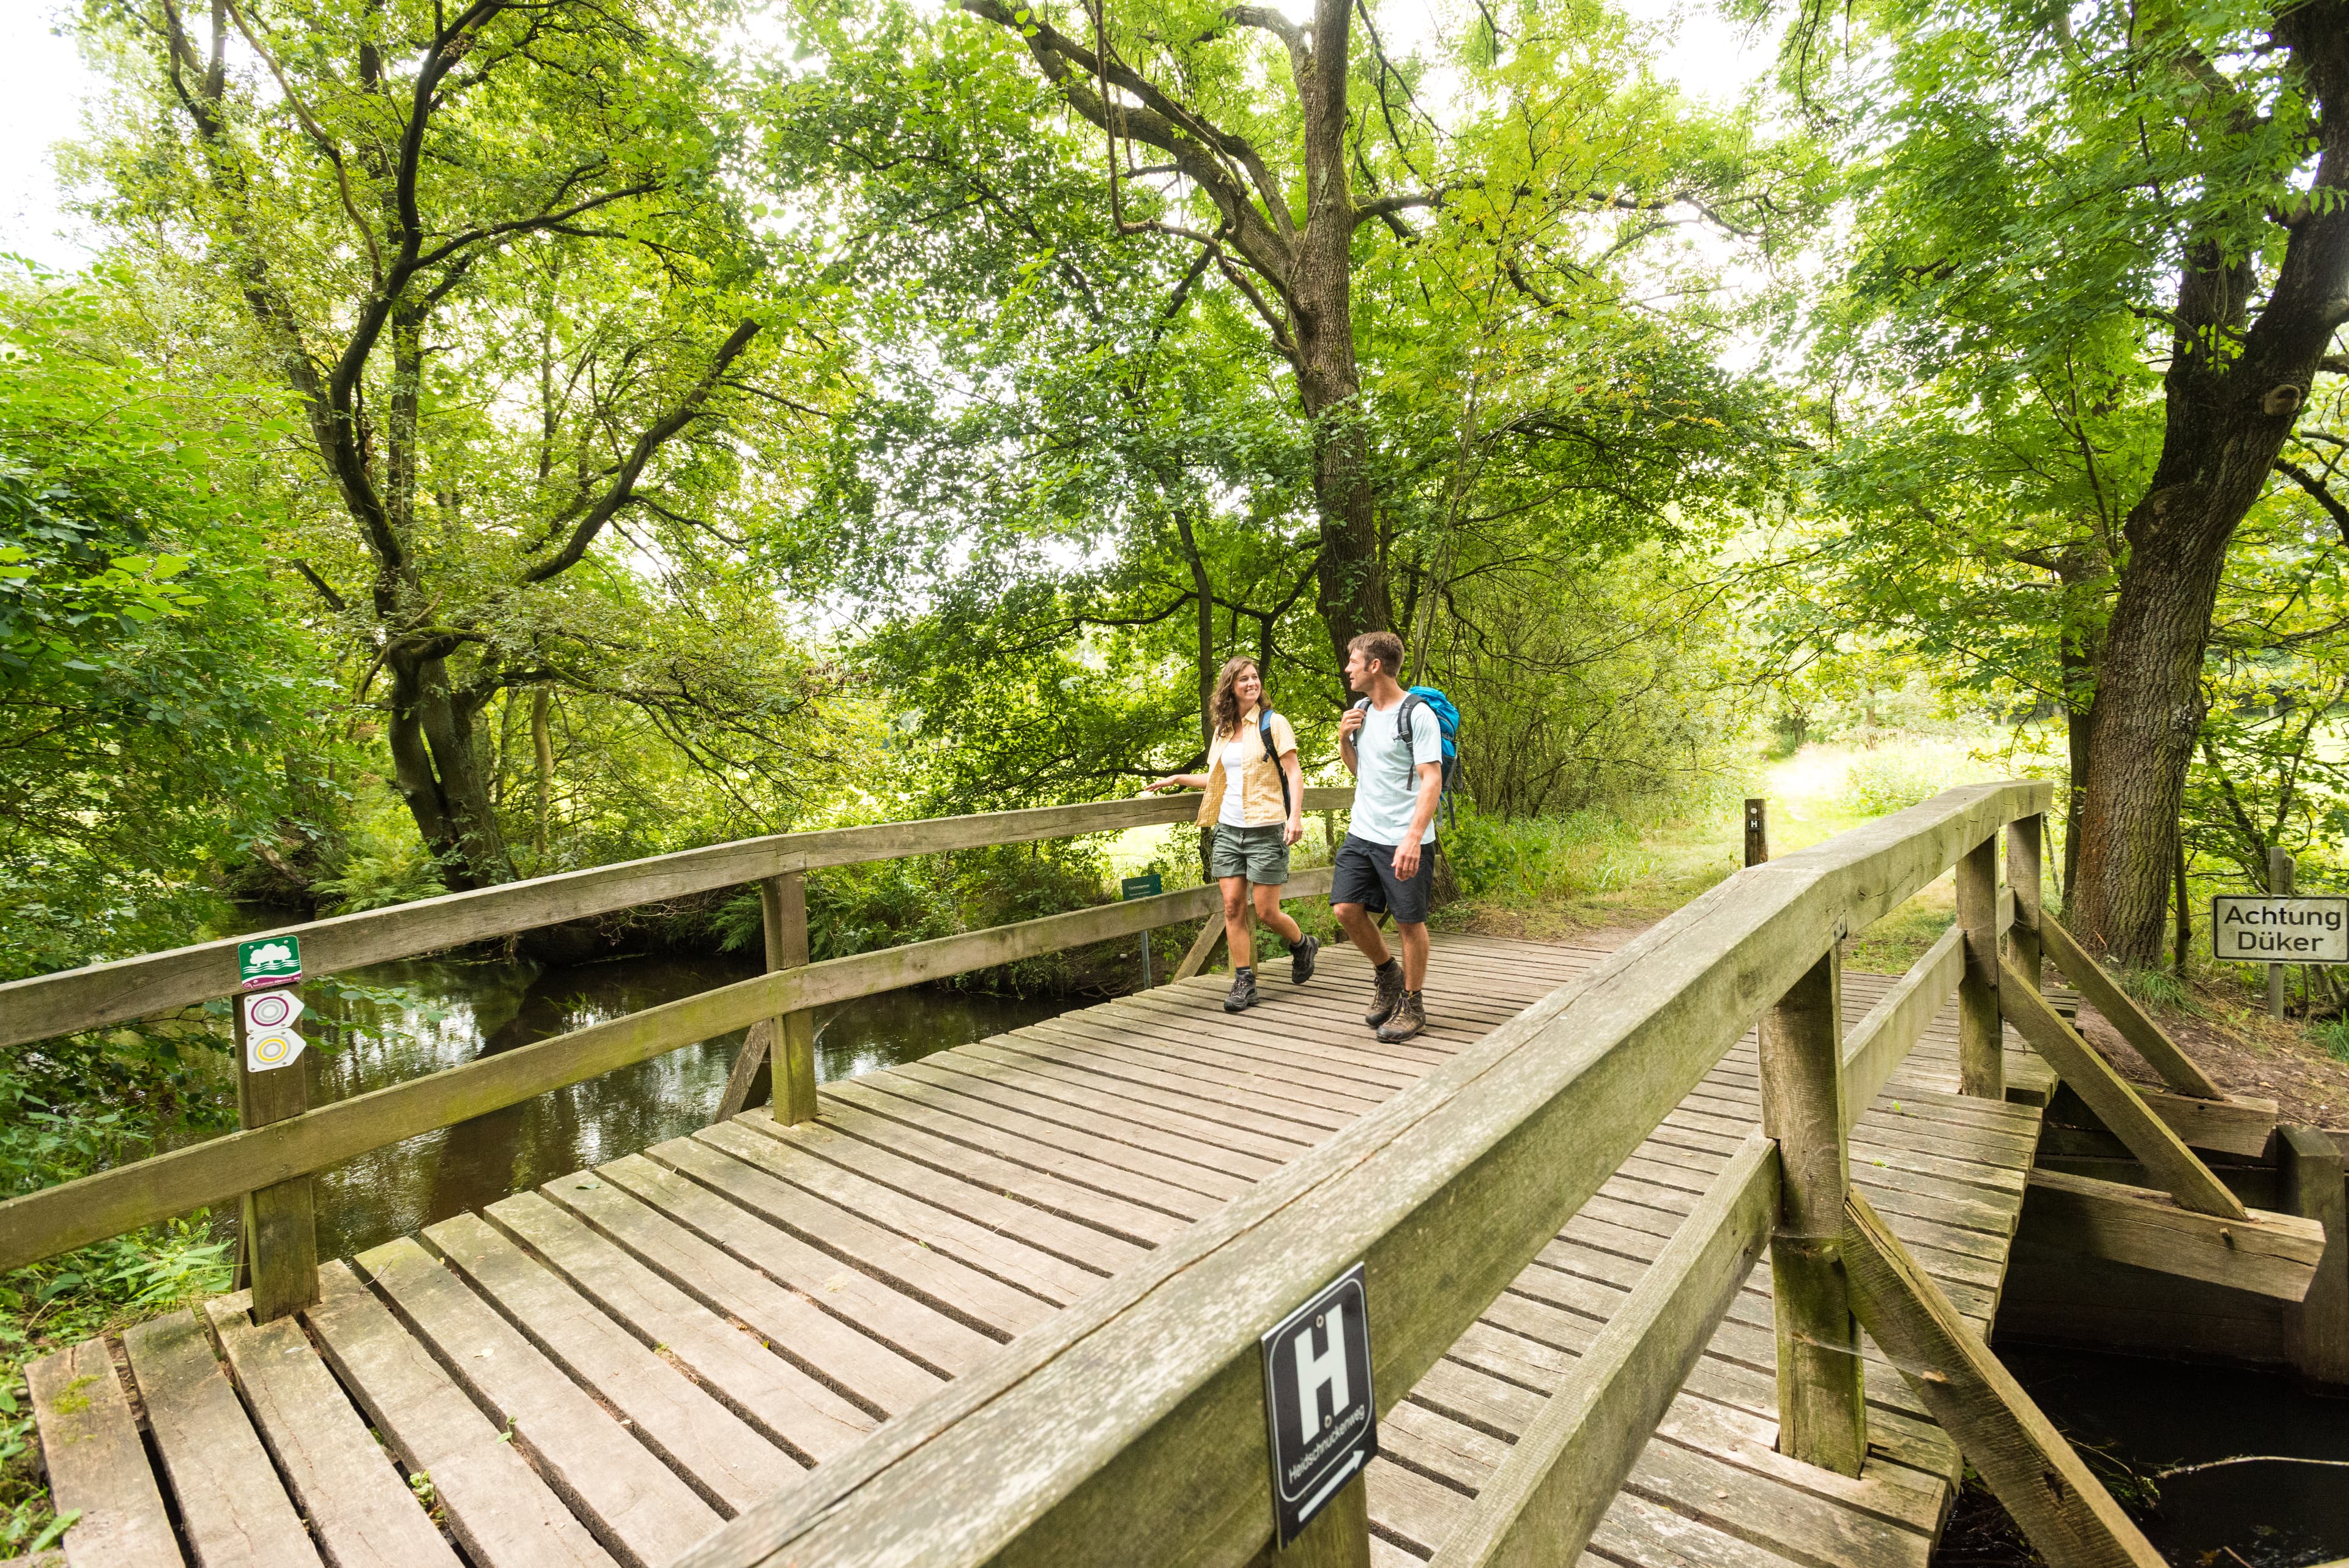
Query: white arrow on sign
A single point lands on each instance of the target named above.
(269, 1037)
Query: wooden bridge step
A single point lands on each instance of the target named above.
(234, 1512)
(642, 1511)
(987, 1305)
(716, 1452)
(98, 1466)
(791, 1408)
(503, 1515)
(878, 1376)
(357, 1504)
(1011, 1257)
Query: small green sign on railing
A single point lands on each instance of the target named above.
(269, 960)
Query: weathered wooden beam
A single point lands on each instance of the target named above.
(2025, 884)
(1822, 1411)
(279, 1230)
(2176, 1069)
(2171, 1164)
(99, 994)
(2316, 1329)
(2264, 1253)
(1539, 1507)
(1211, 936)
(786, 1042)
(2059, 1503)
(1982, 1052)
(1137, 1412)
(1879, 1042)
(111, 1202)
(2238, 1126)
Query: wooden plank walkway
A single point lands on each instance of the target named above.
(599, 1372)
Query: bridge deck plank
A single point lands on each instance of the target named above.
(812, 1281)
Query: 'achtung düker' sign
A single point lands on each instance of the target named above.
(2280, 930)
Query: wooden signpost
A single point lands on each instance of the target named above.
(1146, 886)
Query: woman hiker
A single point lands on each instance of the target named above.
(1256, 804)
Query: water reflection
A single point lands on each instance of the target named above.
(452, 1012)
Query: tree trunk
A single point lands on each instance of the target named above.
(542, 745)
(1351, 589)
(2220, 444)
(435, 764)
(1202, 591)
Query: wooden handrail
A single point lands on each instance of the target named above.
(144, 1192)
(1136, 1414)
(98, 994)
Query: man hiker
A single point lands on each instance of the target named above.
(1393, 745)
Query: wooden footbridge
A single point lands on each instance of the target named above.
(1623, 1217)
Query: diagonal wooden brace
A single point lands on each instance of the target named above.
(2177, 1070)
(2173, 1167)
(2052, 1495)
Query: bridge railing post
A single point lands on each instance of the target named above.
(778, 1055)
(1822, 1416)
(1981, 1054)
(2026, 839)
(279, 1222)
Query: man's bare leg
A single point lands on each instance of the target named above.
(1361, 929)
(1414, 954)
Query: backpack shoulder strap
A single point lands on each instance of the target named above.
(1402, 713)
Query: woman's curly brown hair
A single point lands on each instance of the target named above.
(1224, 707)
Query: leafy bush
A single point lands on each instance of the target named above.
(2331, 1037)
(1531, 858)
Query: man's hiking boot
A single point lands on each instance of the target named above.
(1242, 995)
(1300, 960)
(1389, 976)
(1408, 1019)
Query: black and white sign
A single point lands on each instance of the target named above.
(2280, 930)
(1317, 1401)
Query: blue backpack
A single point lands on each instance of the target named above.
(1447, 721)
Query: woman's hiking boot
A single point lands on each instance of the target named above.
(1408, 1019)
(1300, 960)
(1389, 977)
(1242, 996)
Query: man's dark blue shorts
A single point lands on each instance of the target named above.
(1364, 874)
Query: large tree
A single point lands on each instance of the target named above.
(2033, 181)
(1280, 151)
(490, 251)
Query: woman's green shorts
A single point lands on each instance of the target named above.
(1258, 853)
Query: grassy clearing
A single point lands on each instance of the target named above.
(1557, 878)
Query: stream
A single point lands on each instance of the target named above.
(2257, 1471)
(453, 1011)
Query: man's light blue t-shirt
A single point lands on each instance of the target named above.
(1386, 773)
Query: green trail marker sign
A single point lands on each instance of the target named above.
(269, 960)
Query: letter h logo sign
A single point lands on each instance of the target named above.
(1320, 1419)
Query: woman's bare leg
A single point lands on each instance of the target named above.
(1268, 910)
(1239, 930)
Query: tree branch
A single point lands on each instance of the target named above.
(622, 490)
